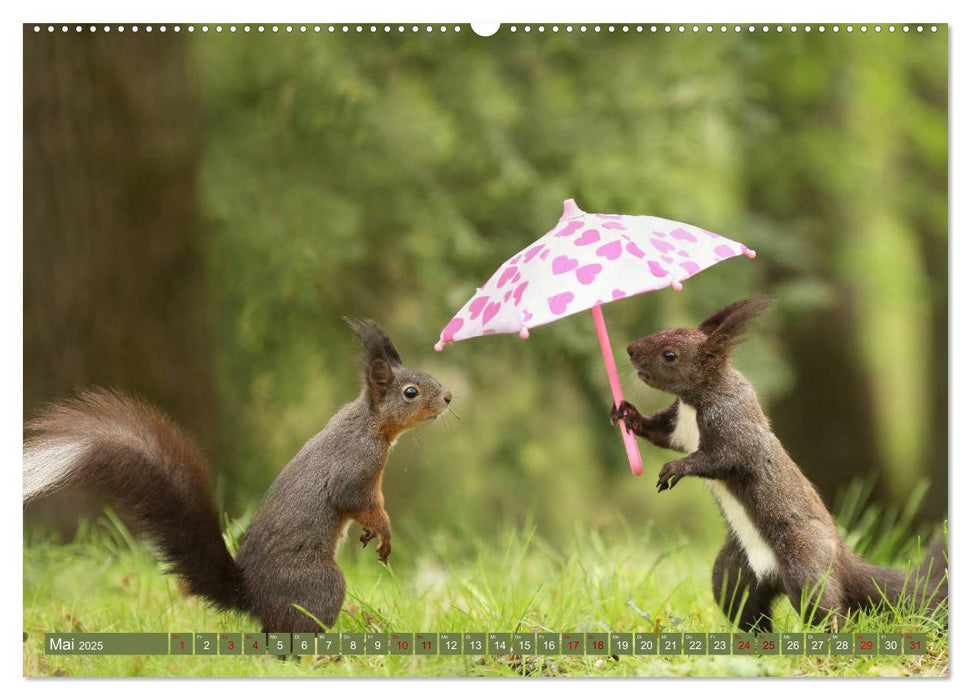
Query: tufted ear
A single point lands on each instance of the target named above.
(379, 376)
(380, 356)
(726, 328)
(377, 344)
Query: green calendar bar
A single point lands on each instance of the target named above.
(377, 643)
(206, 643)
(891, 644)
(95, 644)
(793, 643)
(474, 643)
(865, 644)
(254, 643)
(402, 643)
(278, 643)
(621, 643)
(841, 644)
(230, 643)
(351, 644)
(329, 643)
(719, 643)
(645, 643)
(670, 643)
(818, 643)
(571, 643)
(449, 643)
(548, 643)
(744, 644)
(499, 643)
(768, 644)
(487, 643)
(915, 643)
(302, 643)
(180, 643)
(426, 644)
(597, 643)
(695, 643)
(523, 643)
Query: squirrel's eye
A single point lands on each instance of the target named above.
(669, 355)
(410, 392)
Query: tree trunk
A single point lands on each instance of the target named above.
(114, 277)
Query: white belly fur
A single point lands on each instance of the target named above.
(760, 555)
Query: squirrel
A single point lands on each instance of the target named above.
(781, 538)
(135, 455)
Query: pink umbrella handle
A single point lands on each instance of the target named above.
(630, 441)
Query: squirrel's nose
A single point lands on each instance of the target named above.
(448, 397)
(630, 350)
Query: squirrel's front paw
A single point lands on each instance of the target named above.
(625, 411)
(366, 536)
(671, 474)
(384, 551)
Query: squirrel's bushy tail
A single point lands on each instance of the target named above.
(157, 478)
(925, 586)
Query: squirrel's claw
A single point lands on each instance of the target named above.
(621, 412)
(671, 474)
(667, 485)
(384, 551)
(366, 536)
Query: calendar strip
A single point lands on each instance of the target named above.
(487, 644)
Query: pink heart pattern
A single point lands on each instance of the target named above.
(490, 311)
(611, 251)
(589, 236)
(569, 229)
(532, 253)
(507, 274)
(587, 273)
(563, 264)
(610, 257)
(656, 269)
(452, 328)
(662, 246)
(518, 294)
(475, 308)
(558, 303)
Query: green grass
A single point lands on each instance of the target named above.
(618, 579)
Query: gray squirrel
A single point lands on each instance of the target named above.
(781, 538)
(135, 455)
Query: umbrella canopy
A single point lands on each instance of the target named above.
(581, 263)
(584, 261)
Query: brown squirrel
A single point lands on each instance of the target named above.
(134, 454)
(781, 538)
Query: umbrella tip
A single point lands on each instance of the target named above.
(749, 253)
(570, 209)
(523, 332)
(676, 286)
(439, 346)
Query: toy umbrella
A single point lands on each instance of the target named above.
(583, 262)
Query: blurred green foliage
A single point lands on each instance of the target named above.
(388, 175)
